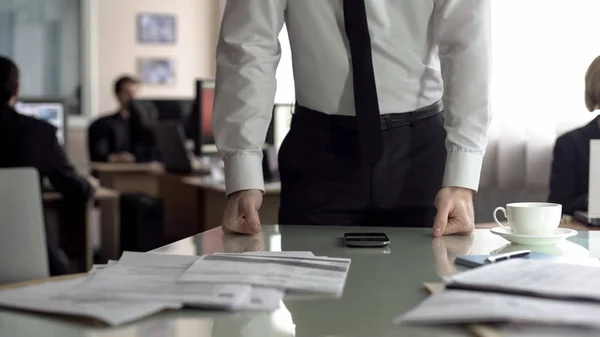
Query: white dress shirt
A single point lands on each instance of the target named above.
(423, 51)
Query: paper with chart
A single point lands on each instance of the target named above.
(311, 274)
(594, 180)
(152, 277)
(533, 277)
(465, 307)
(42, 298)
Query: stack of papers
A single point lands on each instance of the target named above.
(152, 278)
(42, 298)
(525, 292)
(313, 274)
(141, 284)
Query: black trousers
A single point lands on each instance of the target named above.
(324, 180)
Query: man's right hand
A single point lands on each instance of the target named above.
(241, 213)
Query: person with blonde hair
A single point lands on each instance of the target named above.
(592, 86)
(571, 162)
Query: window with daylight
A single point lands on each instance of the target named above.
(43, 38)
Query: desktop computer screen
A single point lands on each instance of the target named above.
(201, 120)
(168, 109)
(201, 132)
(208, 101)
(50, 111)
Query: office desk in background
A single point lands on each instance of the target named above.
(108, 202)
(129, 178)
(211, 201)
(196, 204)
(381, 284)
(179, 206)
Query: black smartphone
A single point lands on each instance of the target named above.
(366, 240)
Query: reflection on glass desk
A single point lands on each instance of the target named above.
(380, 286)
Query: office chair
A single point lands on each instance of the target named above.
(23, 250)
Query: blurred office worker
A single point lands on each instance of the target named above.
(392, 110)
(121, 137)
(29, 142)
(571, 162)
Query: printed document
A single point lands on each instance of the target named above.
(152, 277)
(533, 277)
(135, 276)
(262, 299)
(42, 298)
(169, 261)
(464, 307)
(312, 274)
(273, 254)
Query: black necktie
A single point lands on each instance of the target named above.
(365, 90)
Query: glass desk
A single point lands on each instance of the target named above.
(381, 284)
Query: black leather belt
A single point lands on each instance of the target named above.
(388, 121)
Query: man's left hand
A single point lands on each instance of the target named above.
(455, 213)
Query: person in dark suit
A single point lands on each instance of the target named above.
(123, 137)
(571, 162)
(28, 142)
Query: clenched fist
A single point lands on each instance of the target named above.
(241, 213)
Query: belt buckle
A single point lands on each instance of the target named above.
(386, 121)
(412, 117)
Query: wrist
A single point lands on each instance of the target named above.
(239, 193)
(463, 191)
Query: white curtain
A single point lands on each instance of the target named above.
(285, 74)
(42, 36)
(286, 91)
(541, 51)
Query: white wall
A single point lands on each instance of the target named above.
(118, 51)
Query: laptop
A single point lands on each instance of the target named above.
(584, 217)
(591, 216)
(170, 139)
(23, 250)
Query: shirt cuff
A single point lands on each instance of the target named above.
(243, 171)
(463, 169)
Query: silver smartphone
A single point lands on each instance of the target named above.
(366, 240)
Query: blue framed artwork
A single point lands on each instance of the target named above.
(156, 28)
(157, 71)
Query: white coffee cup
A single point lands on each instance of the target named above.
(531, 218)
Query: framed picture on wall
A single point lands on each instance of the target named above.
(157, 71)
(155, 28)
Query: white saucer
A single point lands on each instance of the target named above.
(532, 240)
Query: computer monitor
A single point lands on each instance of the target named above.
(201, 120)
(49, 110)
(170, 109)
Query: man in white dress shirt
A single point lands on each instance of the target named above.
(392, 113)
